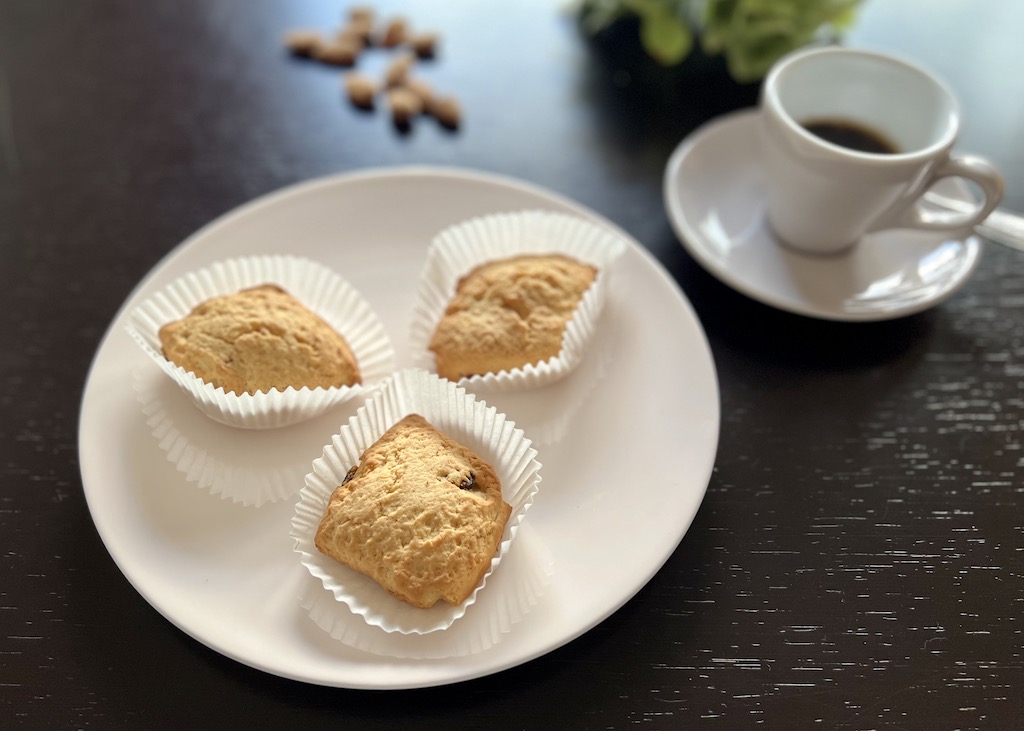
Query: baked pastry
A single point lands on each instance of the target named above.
(420, 514)
(508, 313)
(258, 339)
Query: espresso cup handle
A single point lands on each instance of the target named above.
(977, 170)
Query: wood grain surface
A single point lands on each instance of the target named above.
(857, 561)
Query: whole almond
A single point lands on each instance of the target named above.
(424, 45)
(398, 69)
(446, 110)
(404, 105)
(361, 90)
(338, 53)
(395, 33)
(303, 42)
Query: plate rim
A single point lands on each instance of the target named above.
(711, 420)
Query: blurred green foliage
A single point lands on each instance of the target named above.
(750, 34)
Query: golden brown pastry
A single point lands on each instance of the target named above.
(508, 313)
(420, 514)
(258, 339)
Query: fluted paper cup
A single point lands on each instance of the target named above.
(457, 250)
(451, 410)
(320, 289)
(511, 595)
(250, 468)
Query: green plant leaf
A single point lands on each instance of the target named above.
(753, 34)
(664, 36)
(750, 34)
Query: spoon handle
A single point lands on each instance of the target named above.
(1001, 226)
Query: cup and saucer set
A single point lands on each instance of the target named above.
(775, 205)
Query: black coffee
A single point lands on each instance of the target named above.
(851, 135)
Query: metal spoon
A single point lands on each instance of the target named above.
(1002, 226)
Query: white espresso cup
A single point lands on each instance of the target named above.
(892, 127)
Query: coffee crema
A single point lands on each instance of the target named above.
(851, 135)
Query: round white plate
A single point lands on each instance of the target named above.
(714, 193)
(627, 443)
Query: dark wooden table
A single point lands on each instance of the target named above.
(858, 560)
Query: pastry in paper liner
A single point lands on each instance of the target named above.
(461, 416)
(459, 248)
(512, 594)
(318, 288)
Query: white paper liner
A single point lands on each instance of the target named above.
(459, 248)
(249, 468)
(317, 287)
(512, 593)
(463, 418)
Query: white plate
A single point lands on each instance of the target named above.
(628, 441)
(713, 190)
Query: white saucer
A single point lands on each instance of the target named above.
(713, 189)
